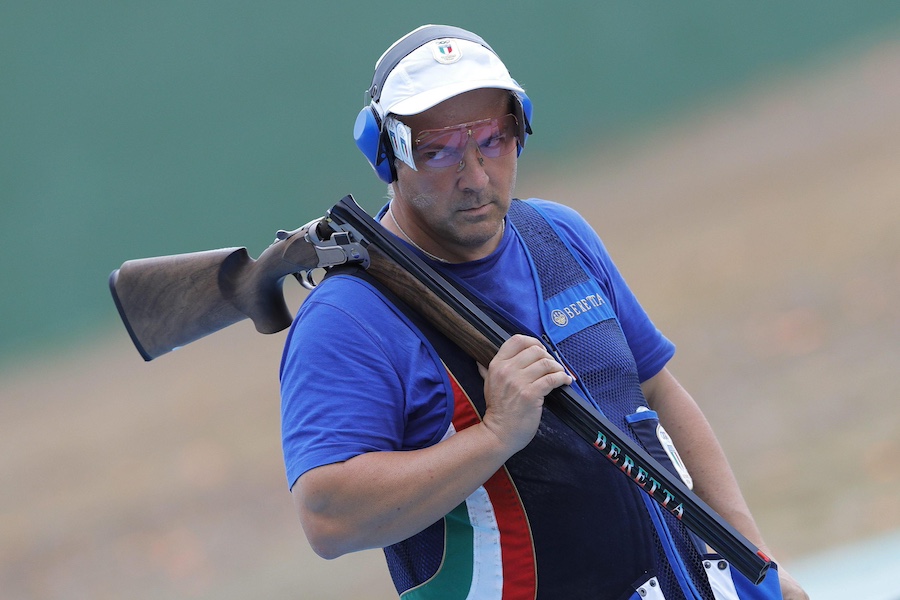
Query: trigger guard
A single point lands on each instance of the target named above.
(306, 279)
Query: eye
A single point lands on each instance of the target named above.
(495, 141)
(433, 153)
(494, 138)
(439, 149)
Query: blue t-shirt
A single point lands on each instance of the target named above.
(357, 376)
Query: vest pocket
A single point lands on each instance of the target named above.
(645, 425)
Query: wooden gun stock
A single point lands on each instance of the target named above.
(169, 301)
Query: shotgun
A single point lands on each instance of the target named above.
(167, 302)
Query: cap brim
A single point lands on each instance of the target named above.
(434, 96)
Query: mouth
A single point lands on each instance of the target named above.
(481, 208)
(477, 214)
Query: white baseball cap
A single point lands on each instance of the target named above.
(438, 70)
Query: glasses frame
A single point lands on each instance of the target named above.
(507, 125)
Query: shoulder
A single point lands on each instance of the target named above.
(352, 299)
(557, 212)
(565, 218)
(574, 228)
(343, 289)
(356, 377)
(345, 313)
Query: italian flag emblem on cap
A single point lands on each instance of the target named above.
(446, 51)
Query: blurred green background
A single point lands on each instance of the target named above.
(132, 129)
(739, 159)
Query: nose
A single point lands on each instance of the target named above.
(472, 173)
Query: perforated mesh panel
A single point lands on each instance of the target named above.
(692, 557)
(547, 248)
(667, 580)
(607, 368)
(414, 561)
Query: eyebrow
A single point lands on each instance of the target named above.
(418, 133)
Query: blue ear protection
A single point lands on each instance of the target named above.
(368, 131)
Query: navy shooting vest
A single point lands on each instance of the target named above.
(558, 520)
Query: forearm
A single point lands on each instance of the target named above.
(379, 498)
(704, 458)
(713, 478)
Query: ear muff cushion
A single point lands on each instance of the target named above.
(370, 140)
(526, 107)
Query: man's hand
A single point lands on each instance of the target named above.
(515, 383)
(790, 588)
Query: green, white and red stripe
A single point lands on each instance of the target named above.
(488, 549)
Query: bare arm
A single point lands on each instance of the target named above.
(380, 498)
(701, 452)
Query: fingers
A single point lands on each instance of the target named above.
(515, 384)
(529, 358)
(516, 344)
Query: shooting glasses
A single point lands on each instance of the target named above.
(438, 148)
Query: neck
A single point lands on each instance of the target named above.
(390, 213)
(390, 222)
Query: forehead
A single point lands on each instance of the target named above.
(485, 103)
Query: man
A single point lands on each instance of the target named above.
(394, 439)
